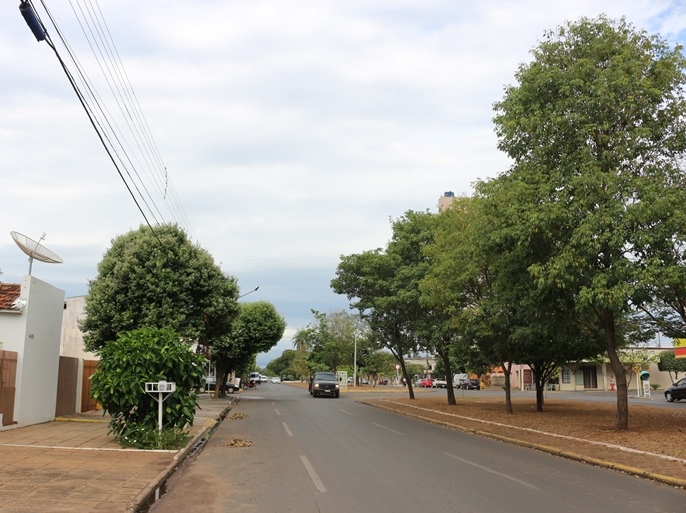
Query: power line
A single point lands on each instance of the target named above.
(135, 156)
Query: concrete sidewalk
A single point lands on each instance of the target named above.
(71, 464)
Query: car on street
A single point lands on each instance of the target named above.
(470, 384)
(440, 383)
(325, 383)
(677, 391)
(276, 379)
(426, 383)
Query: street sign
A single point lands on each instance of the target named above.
(680, 347)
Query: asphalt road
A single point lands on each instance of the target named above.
(334, 455)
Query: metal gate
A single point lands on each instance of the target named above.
(8, 387)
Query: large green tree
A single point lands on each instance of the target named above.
(383, 286)
(595, 127)
(158, 279)
(256, 329)
(468, 281)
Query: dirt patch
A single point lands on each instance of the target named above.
(654, 445)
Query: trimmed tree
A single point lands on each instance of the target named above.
(160, 280)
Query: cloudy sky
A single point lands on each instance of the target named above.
(291, 132)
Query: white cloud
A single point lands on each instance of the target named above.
(291, 131)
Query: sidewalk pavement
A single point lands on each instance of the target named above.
(72, 464)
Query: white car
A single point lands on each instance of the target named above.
(276, 379)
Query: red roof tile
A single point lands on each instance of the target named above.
(8, 293)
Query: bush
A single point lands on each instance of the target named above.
(137, 357)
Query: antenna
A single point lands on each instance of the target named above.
(35, 250)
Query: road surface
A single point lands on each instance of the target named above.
(338, 456)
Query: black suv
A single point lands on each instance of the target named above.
(471, 384)
(325, 383)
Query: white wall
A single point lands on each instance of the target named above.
(72, 338)
(39, 351)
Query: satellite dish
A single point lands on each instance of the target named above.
(35, 250)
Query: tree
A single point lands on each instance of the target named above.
(158, 279)
(670, 363)
(140, 356)
(596, 128)
(282, 366)
(256, 329)
(469, 282)
(302, 340)
(383, 287)
(332, 340)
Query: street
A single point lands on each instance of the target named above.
(335, 455)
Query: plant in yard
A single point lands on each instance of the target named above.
(137, 357)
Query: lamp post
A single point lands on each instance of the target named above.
(355, 358)
(253, 290)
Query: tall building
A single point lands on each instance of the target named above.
(446, 200)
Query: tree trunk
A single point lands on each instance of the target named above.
(407, 378)
(219, 373)
(608, 320)
(445, 357)
(508, 391)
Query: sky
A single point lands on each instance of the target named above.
(279, 135)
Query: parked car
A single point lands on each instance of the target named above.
(276, 379)
(677, 391)
(426, 383)
(325, 383)
(440, 383)
(471, 384)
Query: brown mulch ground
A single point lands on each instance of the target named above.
(654, 445)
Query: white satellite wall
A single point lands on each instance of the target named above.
(34, 334)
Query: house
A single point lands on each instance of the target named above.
(594, 376)
(30, 322)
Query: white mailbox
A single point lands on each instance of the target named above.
(160, 386)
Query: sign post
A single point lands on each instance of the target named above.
(161, 388)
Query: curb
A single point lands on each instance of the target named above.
(680, 483)
(147, 496)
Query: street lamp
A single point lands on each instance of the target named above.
(355, 359)
(253, 290)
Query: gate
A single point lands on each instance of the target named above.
(87, 403)
(67, 380)
(8, 387)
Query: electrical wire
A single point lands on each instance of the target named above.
(135, 156)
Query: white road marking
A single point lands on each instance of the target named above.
(278, 413)
(313, 475)
(288, 431)
(523, 483)
(386, 428)
(346, 412)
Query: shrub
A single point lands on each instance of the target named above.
(140, 356)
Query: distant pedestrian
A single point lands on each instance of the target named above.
(612, 384)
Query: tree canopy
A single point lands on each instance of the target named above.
(596, 127)
(256, 329)
(158, 279)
